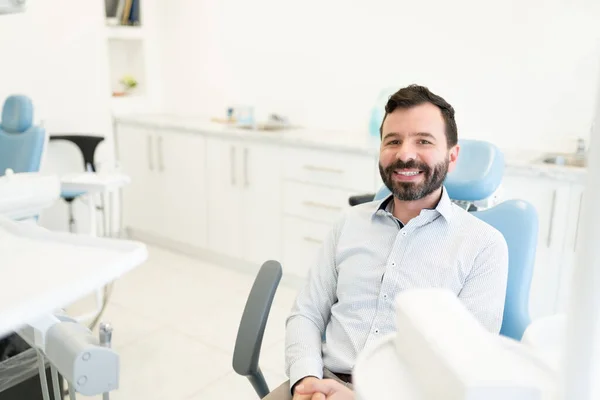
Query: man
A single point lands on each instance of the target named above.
(414, 238)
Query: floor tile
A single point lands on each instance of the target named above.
(168, 365)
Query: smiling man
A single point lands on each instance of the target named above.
(414, 238)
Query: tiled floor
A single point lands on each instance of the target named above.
(175, 323)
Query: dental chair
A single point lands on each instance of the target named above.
(22, 144)
(476, 177)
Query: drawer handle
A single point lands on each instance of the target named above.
(321, 205)
(323, 169)
(312, 240)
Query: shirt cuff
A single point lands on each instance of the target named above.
(305, 367)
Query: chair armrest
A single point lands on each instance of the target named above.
(361, 198)
(252, 326)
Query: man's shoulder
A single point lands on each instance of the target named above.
(476, 227)
(363, 210)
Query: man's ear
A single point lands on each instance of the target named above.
(453, 157)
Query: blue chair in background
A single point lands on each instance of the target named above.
(22, 144)
(476, 177)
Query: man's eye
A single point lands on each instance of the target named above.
(423, 141)
(394, 142)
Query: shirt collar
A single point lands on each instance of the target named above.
(444, 206)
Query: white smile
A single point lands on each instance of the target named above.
(408, 173)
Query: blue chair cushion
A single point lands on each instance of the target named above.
(17, 114)
(477, 174)
(22, 152)
(21, 143)
(517, 220)
(71, 194)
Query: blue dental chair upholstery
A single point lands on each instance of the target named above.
(477, 176)
(22, 144)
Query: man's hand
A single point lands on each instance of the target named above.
(309, 380)
(323, 389)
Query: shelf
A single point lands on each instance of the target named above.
(121, 32)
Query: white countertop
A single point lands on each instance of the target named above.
(518, 162)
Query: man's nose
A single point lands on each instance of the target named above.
(406, 152)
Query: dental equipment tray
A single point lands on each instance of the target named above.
(44, 270)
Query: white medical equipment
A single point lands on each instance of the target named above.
(103, 184)
(442, 353)
(57, 269)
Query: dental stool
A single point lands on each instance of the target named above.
(22, 144)
(87, 146)
(477, 177)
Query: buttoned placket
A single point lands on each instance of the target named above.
(394, 259)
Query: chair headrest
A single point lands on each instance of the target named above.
(477, 174)
(17, 114)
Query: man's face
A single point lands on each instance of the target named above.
(414, 157)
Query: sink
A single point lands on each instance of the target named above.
(565, 159)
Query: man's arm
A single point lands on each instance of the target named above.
(484, 291)
(311, 311)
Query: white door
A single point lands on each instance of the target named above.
(225, 200)
(550, 198)
(141, 198)
(262, 205)
(182, 167)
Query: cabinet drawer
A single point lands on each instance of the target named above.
(331, 169)
(303, 241)
(316, 203)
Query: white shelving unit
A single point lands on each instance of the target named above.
(129, 54)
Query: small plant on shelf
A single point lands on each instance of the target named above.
(129, 83)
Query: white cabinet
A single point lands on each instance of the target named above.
(551, 199)
(166, 197)
(316, 187)
(182, 165)
(143, 207)
(244, 200)
(262, 202)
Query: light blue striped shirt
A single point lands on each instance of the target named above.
(368, 258)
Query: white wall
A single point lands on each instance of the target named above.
(520, 73)
(56, 54)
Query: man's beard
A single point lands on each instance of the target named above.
(410, 191)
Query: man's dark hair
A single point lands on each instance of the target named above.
(415, 95)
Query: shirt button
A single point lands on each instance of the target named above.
(385, 296)
(403, 233)
(393, 264)
(376, 330)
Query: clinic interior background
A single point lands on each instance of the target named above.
(522, 74)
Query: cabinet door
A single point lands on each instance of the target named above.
(260, 179)
(573, 237)
(550, 199)
(182, 168)
(142, 201)
(225, 202)
(303, 241)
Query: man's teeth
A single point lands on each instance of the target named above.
(413, 173)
